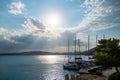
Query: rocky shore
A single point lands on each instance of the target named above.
(88, 76)
(85, 77)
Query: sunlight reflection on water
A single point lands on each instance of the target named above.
(50, 59)
(38, 67)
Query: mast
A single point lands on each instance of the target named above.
(79, 48)
(75, 44)
(88, 42)
(96, 40)
(68, 50)
(103, 36)
(79, 44)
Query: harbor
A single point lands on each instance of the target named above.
(59, 39)
(89, 70)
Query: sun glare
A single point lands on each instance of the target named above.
(53, 19)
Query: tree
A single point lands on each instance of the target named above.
(108, 53)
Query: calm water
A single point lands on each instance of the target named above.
(38, 67)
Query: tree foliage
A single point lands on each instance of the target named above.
(108, 53)
(114, 76)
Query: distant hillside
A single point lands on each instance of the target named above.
(28, 53)
(90, 52)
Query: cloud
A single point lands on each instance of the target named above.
(91, 2)
(24, 42)
(65, 36)
(6, 35)
(35, 27)
(62, 40)
(93, 14)
(16, 8)
(88, 5)
(110, 17)
(2, 30)
(102, 14)
(9, 42)
(8, 39)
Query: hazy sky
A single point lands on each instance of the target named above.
(30, 25)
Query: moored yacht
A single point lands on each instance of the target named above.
(72, 65)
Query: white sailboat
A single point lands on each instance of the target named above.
(78, 58)
(72, 65)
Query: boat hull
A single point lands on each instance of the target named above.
(70, 67)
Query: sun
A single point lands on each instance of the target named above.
(53, 19)
(54, 22)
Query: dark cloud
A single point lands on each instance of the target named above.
(65, 36)
(34, 25)
(68, 35)
(24, 42)
(29, 42)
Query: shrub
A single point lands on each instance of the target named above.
(114, 76)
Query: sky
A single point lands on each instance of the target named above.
(47, 25)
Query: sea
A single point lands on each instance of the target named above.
(34, 67)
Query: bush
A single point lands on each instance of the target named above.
(114, 76)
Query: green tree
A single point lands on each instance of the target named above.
(108, 53)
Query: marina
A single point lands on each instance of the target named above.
(59, 39)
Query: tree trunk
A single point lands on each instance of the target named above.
(117, 70)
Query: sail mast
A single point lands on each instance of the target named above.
(68, 50)
(88, 42)
(103, 36)
(96, 40)
(79, 44)
(79, 48)
(75, 44)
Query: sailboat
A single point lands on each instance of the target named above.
(71, 65)
(78, 59)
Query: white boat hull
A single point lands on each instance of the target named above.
(70, 66)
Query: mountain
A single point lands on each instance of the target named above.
(90, 52)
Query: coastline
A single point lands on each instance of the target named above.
(88, 76)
